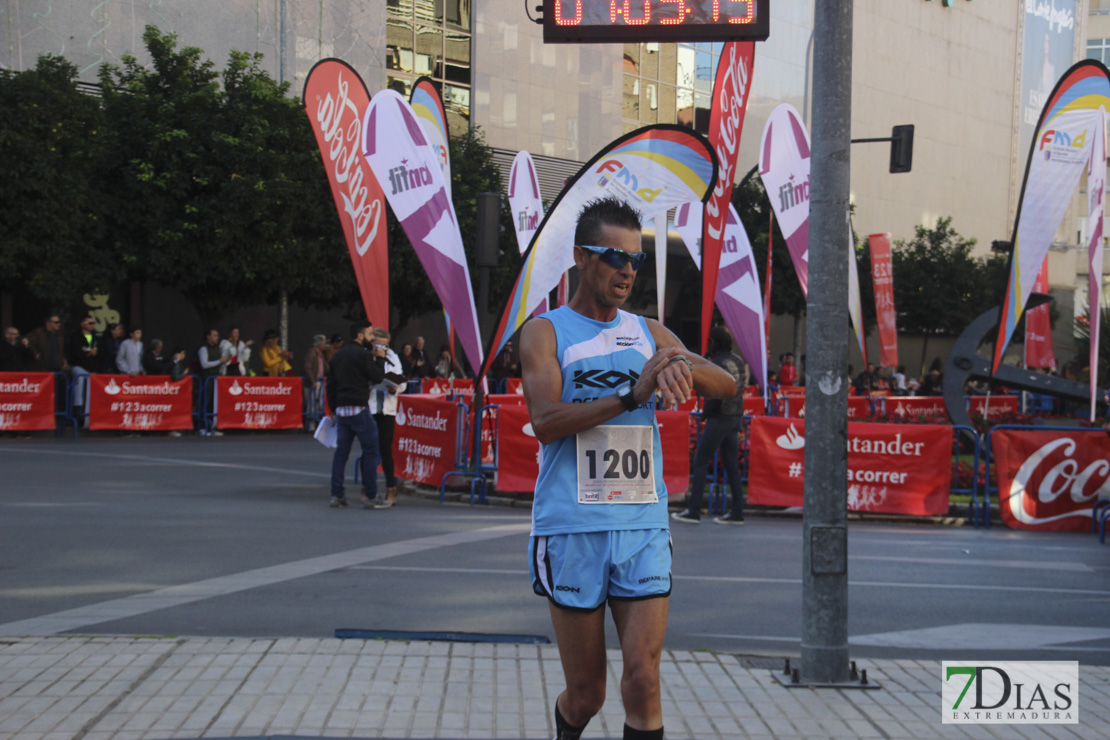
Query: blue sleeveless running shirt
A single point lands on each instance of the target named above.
(596, 359)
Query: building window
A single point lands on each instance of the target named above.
(431, 38)
(1099, 49)
(669, 83)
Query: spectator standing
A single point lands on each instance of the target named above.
(898, 381)
(406, 359)
(108, 347)
(129, 356)
(238, 352)
(315, 359)
(445, 367)
(788, 372)
(931, 384)
(16, 354)
(155, 361)
(315, 367)
(383, 407)
(353, 370)
(506, 364)
(210, 361)
(82, 361)
(421, 366)
(721, 434)
(275, 360)
(333, 345)
(49, 345)
(179, 366)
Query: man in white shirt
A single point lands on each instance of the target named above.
(129, 357)
(383, 406)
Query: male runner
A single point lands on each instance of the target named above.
(599, 522)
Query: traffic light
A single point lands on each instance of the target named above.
(901, 148)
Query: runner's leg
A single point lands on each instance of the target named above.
(581, 640)
(641, 626)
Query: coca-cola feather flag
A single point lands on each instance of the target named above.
(726, 122)
(398, 152)
(335, 99)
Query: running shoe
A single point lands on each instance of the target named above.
(688, 517)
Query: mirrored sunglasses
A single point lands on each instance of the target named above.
(617, 258)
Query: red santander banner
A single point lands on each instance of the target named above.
(425, 437)
(1050, 480)
(259, 403)
(892, 468)
(726, 122)
(26, 402)
(335, 99)
(142, 403)
(882, 277)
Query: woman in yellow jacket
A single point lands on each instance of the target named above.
(275, 360)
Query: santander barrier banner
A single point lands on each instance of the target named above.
(26, 401)
(1049, 480)
(519, 450)
(142, 403)
(425, 437)
(859, 407)
(259, 403)
(893, 469)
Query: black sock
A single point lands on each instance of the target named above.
(564, 730)
(630, 734)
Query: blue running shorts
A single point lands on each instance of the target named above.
(581, 571)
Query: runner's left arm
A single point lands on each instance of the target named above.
(676, 379)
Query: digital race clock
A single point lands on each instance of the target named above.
(608, 21)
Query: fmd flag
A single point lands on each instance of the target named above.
(1061, 149)
(653, 169)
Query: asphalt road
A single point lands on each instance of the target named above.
(233, 537)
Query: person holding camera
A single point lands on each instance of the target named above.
(16, 354)
(354, 368)
(383, 407)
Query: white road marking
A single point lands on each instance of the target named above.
(164, 598)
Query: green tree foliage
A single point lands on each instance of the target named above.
(220, 191)
(51, 199)
(939, 287)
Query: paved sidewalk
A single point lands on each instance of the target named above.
(96, 688)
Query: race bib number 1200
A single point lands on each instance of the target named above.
(615, 466)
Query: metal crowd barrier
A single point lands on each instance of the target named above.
(462, 469)
(977, 513)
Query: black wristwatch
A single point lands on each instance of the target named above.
(624, 393)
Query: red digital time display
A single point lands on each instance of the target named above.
(615, 21)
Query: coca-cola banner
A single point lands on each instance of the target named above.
(425, 438)
(26, 402)
(882, 277)
(859, 407)
(142, 403)
(1050, 480)
(335, 99)
(731, 88)
(1038, 325)
(518, 450)
(259, 403)
(892, 468)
